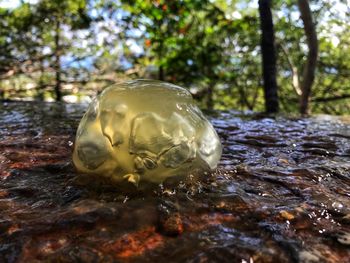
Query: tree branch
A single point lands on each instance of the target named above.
(294, 69)
(339, 97)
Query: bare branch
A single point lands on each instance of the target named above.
(339, 97)
(294, 69)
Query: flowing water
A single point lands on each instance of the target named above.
(280, 194)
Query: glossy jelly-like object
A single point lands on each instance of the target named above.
(145, 130)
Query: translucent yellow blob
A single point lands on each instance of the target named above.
(145, 130)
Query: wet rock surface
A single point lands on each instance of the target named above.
(281, 193)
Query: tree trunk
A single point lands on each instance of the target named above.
(41, 86)
(210, 100)
(57, 63)
(2, 92)
(161, 73)
(268, 56)
(311, 61)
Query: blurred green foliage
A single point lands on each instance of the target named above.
(211, 47)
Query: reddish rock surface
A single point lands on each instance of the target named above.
(280, 194)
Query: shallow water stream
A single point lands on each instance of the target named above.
(280, 194)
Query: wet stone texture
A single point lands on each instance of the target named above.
(281, 193)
